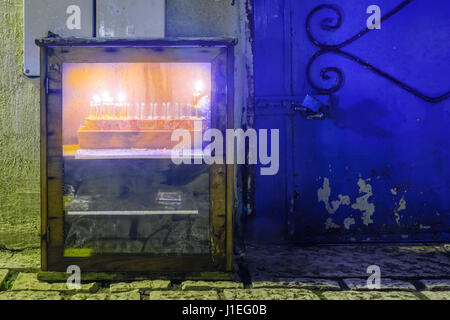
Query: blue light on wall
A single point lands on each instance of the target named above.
(377, 168)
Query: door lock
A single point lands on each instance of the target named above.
(312, 108)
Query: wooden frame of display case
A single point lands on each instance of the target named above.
(54, 52)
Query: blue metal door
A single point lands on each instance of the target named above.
(377, 167)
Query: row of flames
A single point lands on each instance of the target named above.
(106, 108)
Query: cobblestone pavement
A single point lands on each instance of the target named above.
(408, 272)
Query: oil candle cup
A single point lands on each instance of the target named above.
(190, 111)
(168, 110)
(142, 113)
(92, 111)
(109, 109)
(176, 110)
(136, 111)
(116, 110)
(164, 111)
(151, 111)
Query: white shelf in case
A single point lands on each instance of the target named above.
(105, 154)
(132, 213)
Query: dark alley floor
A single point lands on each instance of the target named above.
(402, 261)
(407, 271)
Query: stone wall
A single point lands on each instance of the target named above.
(19, 136)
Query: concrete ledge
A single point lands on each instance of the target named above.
(300, 283)
(50, 276)
(29, 282)
(140, 285)
(132, 295)
(184, 295)
(369, 295)
(213, 285)
(269, 294)
(30, 295)
(437, 295)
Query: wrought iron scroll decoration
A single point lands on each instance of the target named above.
(327, 24)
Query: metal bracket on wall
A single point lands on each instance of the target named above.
(311, 107)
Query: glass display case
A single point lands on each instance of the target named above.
(113, 198)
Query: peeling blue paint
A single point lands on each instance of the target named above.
(386, 150)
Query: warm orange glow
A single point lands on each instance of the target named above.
(113, 96)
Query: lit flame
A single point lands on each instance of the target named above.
(199, 86)
(106, 97)
(121, 97)
(96, 99)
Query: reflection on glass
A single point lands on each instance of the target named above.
(122, 193)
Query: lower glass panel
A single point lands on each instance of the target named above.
(135, 206)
